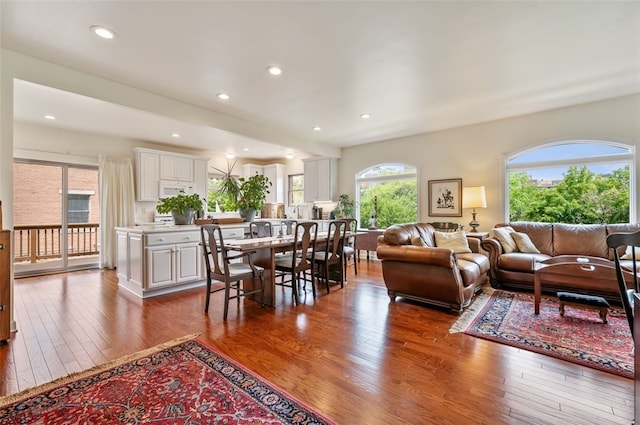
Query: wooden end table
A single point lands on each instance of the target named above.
(566, 268)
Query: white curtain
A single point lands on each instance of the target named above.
(117, 204)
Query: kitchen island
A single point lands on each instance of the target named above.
(159, 259)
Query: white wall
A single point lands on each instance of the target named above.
(476, 153)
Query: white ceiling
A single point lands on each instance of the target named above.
(414, 66)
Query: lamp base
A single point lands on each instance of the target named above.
(474, 223)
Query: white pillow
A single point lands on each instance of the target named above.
(457, 241)
(503, 234)
(524, 243)
(628, 254)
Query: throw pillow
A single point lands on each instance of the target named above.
(503, 234)
(628, 253)
(417, 241)
(457, 241)
(524, 243)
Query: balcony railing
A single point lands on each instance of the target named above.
(42, 242)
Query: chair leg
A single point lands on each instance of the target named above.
(208, 297)
(326, 275)
(355, 263)
(294, 288)
(227, 288)
(262, 289)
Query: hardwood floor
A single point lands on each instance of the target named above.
(350, 354)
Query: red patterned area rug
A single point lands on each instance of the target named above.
(180, 382)
(579, 337)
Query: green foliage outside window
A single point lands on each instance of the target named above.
(582, 197)
(397, 203)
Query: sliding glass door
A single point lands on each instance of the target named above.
(56, 217)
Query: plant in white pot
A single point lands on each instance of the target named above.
(182, 207)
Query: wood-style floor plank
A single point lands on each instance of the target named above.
(351, 353)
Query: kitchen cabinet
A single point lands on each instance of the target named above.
(275, 174)
(147, 176)
(154, 166)
(174, 167)
(155, 260)
(249, 170)
(320, 179)
(201, 178)
(5, 285)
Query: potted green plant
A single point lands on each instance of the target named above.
(182, 207)
(228, 188)
(345, 208)
(252, 194)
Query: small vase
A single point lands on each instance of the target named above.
(186, 218)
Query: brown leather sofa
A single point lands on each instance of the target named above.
(429, 274)
(515, 270)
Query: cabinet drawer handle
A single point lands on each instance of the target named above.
(160, 239)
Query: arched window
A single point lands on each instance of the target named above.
(393, 188)
(577, 181)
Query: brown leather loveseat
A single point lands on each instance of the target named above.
(515, 269)
(428, 273)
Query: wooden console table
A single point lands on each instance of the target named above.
(367, 240)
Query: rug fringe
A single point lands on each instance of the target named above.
(478, 303)
(12, 398)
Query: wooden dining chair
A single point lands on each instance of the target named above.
(331, 256)
(260, 229)
(221, 267)
(299, 261)
(626, 268)
(287, 227)
(349, 249)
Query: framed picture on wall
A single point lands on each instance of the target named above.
(445, 198)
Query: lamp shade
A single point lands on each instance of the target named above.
(473, 197)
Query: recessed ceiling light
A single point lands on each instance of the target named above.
(230, 155)
(176, 135)
(245, 149)
(289, 156)
(316, 128)
(274, 70)
(50, 117)
(103, 32)
(223, 96)
(365, 116)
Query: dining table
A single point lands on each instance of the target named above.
(265, 249)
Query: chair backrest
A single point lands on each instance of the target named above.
(335, 240)
(260, 229)
(287, 227)
(215, 254)
(443, 226)
(626, 268)
(304, 245)
(352, 226)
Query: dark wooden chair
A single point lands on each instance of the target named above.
(260, 229)
(299, 261)
(349, 249)
(220, 266)
(331, 257)
(443, 226)
(626, 268)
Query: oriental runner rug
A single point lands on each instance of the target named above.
(180, 382)
(579, 337)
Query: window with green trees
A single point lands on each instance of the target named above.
(575, 182)
(396, 189)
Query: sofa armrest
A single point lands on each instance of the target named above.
(474, 244)
(442, 257)
(494, 249)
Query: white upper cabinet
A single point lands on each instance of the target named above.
(275, 174)
(176, 168)
(320, 179)
(249, 170)
(153, 166)
(147, 174)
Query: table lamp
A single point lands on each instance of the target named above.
(473, 197)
